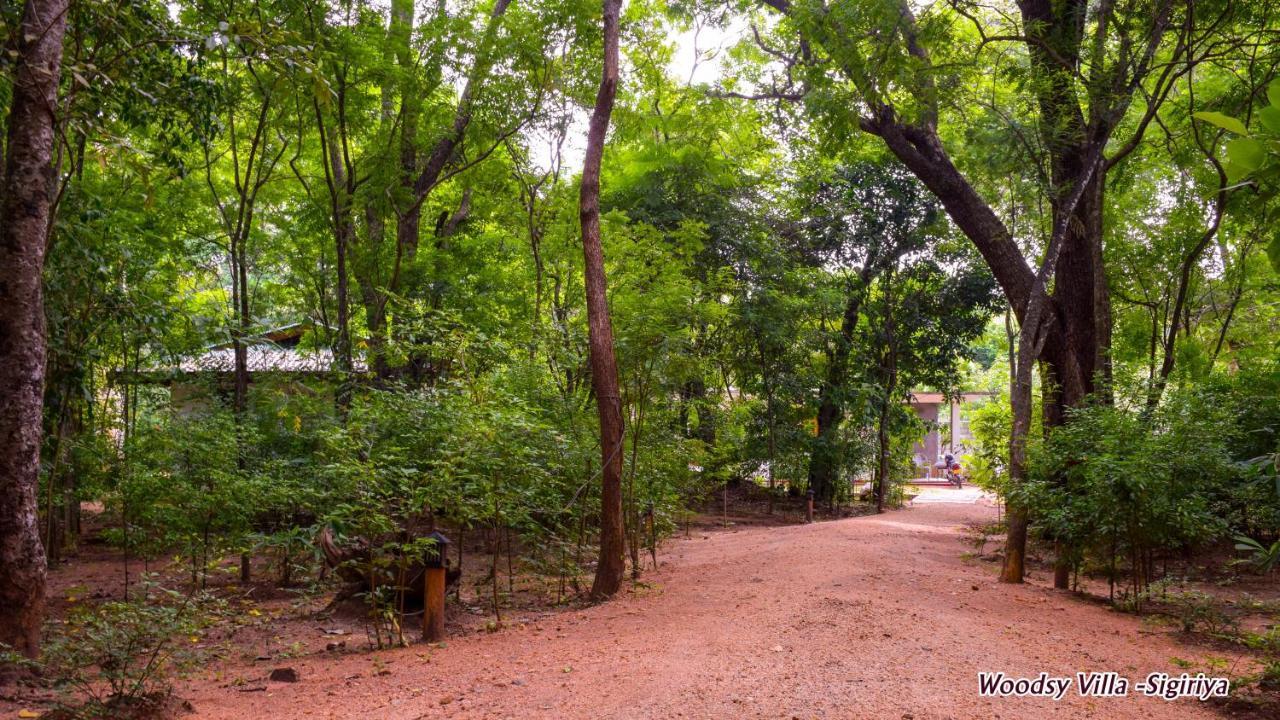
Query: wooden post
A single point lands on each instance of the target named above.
(808, 512)
(433, 610)
(725, 521)
(653, 535)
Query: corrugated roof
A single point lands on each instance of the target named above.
(265, 357)
(275, 350)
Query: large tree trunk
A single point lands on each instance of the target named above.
(1080, 104)
(1076, 347)
(824, 455)
(889, 371)
(604, 367)
(1013, 569)
(1076, 317)
(1065, 337)
(24, 220)
(1076, 364)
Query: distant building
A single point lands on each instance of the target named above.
(948, 426)
(276, 355)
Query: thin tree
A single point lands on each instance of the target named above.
(250, 159)
(604, 367)
(25, 195)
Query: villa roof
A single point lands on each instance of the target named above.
(277, 350)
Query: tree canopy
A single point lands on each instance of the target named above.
(362, 269)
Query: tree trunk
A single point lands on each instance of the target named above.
(889, 371)
(766, 377)
(240, 404)
(1068, 364)
(341, 211)
(824, 455)
(604, 367)
(1078, 111)
(1020, 408)
(240, 291)
(882, 453)
(365, 267)
(24, 219)
(344, 360)
(1070, 330)
(886, 405)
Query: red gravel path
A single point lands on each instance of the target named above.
(873, 617)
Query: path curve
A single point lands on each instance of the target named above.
(872, 617)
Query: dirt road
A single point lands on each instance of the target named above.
(873, 617)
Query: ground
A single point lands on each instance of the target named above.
(884, 616)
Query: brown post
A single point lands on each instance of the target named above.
(653, 535)
(725, 521)
(808, 512)
(433, 611)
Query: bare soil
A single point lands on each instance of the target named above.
(888, 616)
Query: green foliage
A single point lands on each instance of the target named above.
(1251, 399)
(185, 486)
(285, 140)
(1260, 557)
(990, 424)
(1266, 644)
(119, 657)
(292, 551)
(1120, 487)
(1251, 154)
(1197, 612)
(1254, 154)
(1115, 486)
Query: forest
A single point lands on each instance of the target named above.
(582, 306)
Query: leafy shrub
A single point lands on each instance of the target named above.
(1116, 488)
(185, 487)
(988, 461)
(1251, 401)
(117, 658)
(1267, 644)
(292, 551)
(1262, 558)
(1199, 612)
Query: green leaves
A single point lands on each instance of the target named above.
(1226, 122)
(1262, 558)
(1270, 119)
(1246, 154)
(1253, 155)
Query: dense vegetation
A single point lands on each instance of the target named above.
(835, 205)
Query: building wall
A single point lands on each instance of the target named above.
(927, 448)
(951, 428)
